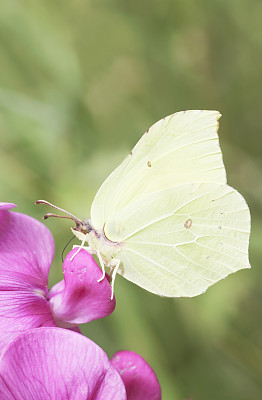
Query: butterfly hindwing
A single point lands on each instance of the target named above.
(181, 240)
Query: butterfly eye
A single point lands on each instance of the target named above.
(85, 227)
(84, 230)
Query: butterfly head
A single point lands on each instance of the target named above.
(82, 229)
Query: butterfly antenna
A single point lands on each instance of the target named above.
(70, 216)
(62, 254)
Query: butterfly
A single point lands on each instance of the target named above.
(165, 219)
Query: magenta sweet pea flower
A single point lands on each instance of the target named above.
(139, 378)
(57, 364)
(80, 298)
(26, 254)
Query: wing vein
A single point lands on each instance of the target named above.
(159, 219)
(217, 251)
(162, 267)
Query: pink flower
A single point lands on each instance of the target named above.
(57, 364)
(26, 254)
(139, 378)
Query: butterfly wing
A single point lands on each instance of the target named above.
(181, 240)
(179, 149)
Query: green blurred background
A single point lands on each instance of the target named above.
(80, 81)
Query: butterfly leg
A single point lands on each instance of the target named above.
(79, 248)
(114, 276)
(87, 248)
(102, 266)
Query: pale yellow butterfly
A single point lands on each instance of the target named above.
(165, 219)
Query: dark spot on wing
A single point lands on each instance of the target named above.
(149, 164)
(188, 223)
(131, 153)
(220, 227)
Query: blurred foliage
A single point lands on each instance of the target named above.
(80, 81)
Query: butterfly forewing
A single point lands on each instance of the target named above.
(179, 149)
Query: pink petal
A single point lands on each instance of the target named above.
(26, 248)
(139, 378)
(57, 364)
(6, 206)
(26, 252)
(80, 298)
(20, 311)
